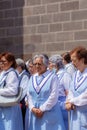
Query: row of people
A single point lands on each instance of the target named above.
(44, 112)
(50, 89)
(76, 100)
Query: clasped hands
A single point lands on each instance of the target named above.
(37, 112)
(69, 106)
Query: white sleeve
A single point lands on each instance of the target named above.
(71, 69)
(53, 98)
(12, 84)
(80, 100)
(24, 85)
(29, 98)
(66, 81)
(69, 96)
(30, 101)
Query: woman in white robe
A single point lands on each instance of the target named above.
(10, 117)
(77, 97)
(44, 110)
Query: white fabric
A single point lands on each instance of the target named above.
(70, 68)
(24, 84)
(12, 83)
(38, 87)
(80, 100)
(53, 98)
(65, 80)
(70, 96)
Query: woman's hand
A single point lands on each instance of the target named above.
(37, 112)
(69, 106)
(26, 104)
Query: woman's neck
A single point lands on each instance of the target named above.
(83, 68)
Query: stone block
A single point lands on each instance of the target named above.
(51, 1)
(61, 17)
(55, 27)
(6, 23)
(33, 2)
(33, 20)
(73, 5)
(64, 36)
(72, 26)
(38, 10)
(70, 45)
(2, 33)
(1, 14)
(14, 31)
(51, 8)
(4, 5)
(29, 48)
(29, 30)
(18, 3)
(19, 22)
(11, 13)
(80, 35)
(50, 37)
(85, 24)
(83, 4)
(46, 18)
(55, 46)
(35, 39)
(79, 15)
(40, 48)
(42, 28)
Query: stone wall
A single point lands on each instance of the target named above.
(28, 27)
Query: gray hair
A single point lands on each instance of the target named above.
(57, 60)
(45, 60)
(29, 61)
(20, 62)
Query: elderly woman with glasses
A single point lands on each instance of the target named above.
(44, 110)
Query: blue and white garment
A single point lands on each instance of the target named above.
(10, 117)
(64, 84)
(43, 94)
(78, 96)
(65, 80)
(70, 68)
(23, 81)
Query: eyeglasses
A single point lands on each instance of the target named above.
(3, 62)
(38, 64)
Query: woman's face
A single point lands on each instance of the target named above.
(51, 65)
(40, 67)
(76, 62)
(5, 64)
(31, 68)
(64, 61)
(19, 69)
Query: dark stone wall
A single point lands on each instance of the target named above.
(28, 27)
(11, 26)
